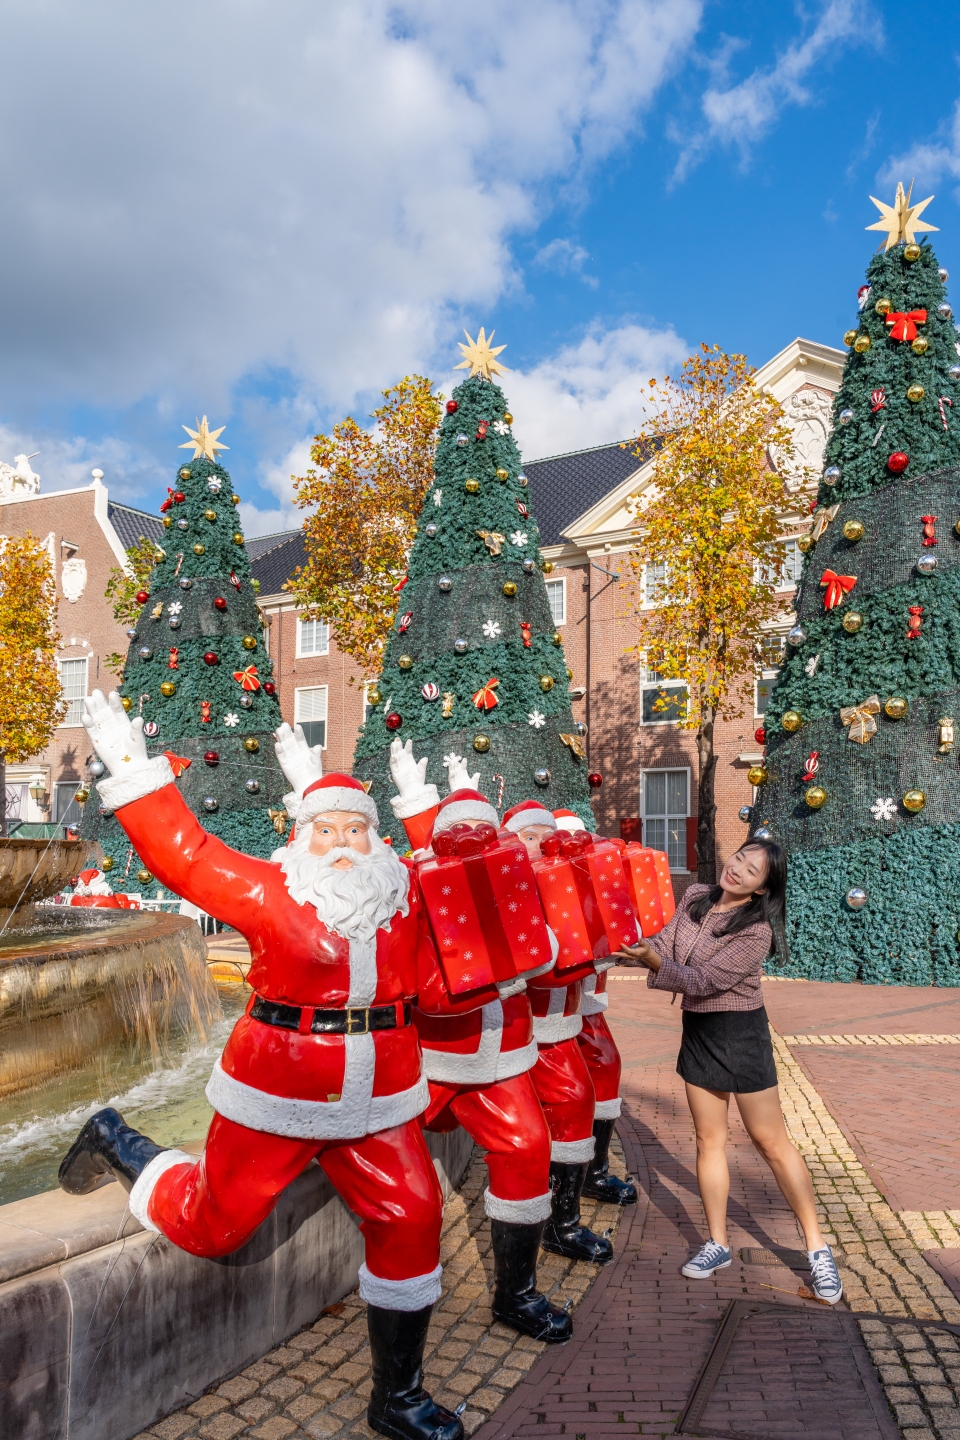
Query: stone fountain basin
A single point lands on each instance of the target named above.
(53, 861)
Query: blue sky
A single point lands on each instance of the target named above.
(268, 213)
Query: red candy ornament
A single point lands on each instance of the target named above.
(452, 407)
(915, 622)
(929, 529)
(142, 596)
(393, 721)
(594, 779)
(898, 462)
(219, 603)
(211, 758)
(210, 657)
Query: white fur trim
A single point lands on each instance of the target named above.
(464, 810)
(554, 943)
(488, 1063)
(363, 972)
(529, 817)
(291, 803)
(338, 798)
(414, 1294)
(358, 1112)
(146, 1181)
(590, 1002)
(570, 823)
(601, 965)
(541, 969)
(555, 1026)
(135, 783)
(405, 807)
(506, 988)
(572, 1152)
(607, 1109)
(517, 1212)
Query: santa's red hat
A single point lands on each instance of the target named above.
(87, 875)
(336, 792)
(528, 812)
(569, 820)
(463, 805)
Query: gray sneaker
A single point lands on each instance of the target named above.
(708, 1259)
(825, 1276)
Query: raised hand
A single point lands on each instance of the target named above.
(458, 777)
(117, 739)
(409, 775)
(301, 763)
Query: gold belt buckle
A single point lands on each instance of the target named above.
(358, 1021)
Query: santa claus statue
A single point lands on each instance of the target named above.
(323, 1065)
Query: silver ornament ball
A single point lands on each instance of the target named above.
(763, 833)
(430, 530)
(245, 702)
(831, 475)
(541, 777)
(845, 417)
(945, 309)
(210, 804)
(796, 636)
(522, 480)
(856, 897)
(463, 440)
(579, 728)
(183, 524)
(96, 768)
(175, 622)
(954, 372)
(927, 564)
(529, 566)
(145, 652)
(746, 813)
(943, 275)
(186, 583)
(460, 647)
(252, 787)
(131, 634)
(105, 813)
(445, 584)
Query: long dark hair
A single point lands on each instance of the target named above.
(770, 906)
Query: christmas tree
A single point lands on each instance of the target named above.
(860, 781)
(474, 665)
(197, 672)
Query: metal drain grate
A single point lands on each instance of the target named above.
(793, 1259)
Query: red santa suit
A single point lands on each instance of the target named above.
(324, 1063)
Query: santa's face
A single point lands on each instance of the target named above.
(531, 835)
(340, 831)
(339, 865)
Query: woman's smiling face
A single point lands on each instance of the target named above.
(745, 873)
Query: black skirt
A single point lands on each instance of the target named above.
(727, 1050)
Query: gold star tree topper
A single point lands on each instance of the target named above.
(204, 441)
(901, 219)
(481, 357)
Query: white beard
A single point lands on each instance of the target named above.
(354, 903)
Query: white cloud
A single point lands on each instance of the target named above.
(566, 258)
(929, 161)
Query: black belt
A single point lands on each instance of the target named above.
(311, 1020)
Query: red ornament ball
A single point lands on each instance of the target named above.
(269, 688)
(211, 657)
(594, 779)
(142, 596)
(760, 735)
(178, 497)
(898, 462)
(219, 603)
(452, 407)
(211, 758)
(393, 721)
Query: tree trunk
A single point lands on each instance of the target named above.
(706, 804)
(3, 794)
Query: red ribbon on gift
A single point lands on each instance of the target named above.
(178, 763)
(903, 324)
(838, 587)
(484, 698)
(247, 678)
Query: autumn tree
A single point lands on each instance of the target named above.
(123, 583)
(711, 520)
(30, 704)
(364, 495)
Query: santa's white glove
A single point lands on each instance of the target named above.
(410, 778)
(117, 739)
(301, 763)
(458, 777)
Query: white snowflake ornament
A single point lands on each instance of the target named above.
(231, 719)
(536, 719)
(884, 809)
(175, 608)
(811, 665)
(438, 497)
(491, 628)
(519, 537)
(501, 427)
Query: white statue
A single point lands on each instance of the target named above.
(18, 479)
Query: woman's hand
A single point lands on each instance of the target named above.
(633, 956)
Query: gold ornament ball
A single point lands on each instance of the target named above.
(791, 720)
(509, 588)
(815, 797)
(503, 474)
(854, 530)
(168, 688)
(507, 418)
(757, 775)
(405, 662)
(472, 487)
(852, 622)
(883, 307)
(107, 864)
(914, 801)
(805, 543)
(546, 682)
(915, 393)
(82, 795)
(199, 549)
(237, 538)
(249, 642)
(557, 638)
(920, 346)
(235, 499)
(373, 696)
(209, 514)
(547, 567)
(896, 707)
(185, 474)
(849, 336)
(167, 522)
(127, 703)
(911, 252)
(862, 344)
(144, 877)
(569, 673)
(481, 743)
(251, 744)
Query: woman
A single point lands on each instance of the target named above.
(712, 953)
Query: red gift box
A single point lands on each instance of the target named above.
(640, 868)
(475, 874)
(585, 896)
(665, 881)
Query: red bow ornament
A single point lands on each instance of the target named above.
(247, 678)
(168, 502)
(838, 588)
(484, 699)
(903, 324)
(178, 763)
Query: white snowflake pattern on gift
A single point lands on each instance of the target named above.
(811, 665)
(884, 809)
(491, 628)
(175, 608)
(231, 719)
(519, 537)
(536, 719)
(438, 497)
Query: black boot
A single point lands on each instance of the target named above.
(600, 1184)
(399, 1406)
(516, 1300)
(105, 1146)
(564, 1235)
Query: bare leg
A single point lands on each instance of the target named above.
(763, 1118)
(709, 1109)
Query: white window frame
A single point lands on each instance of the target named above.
(793, 557)
(74, 700)
(298, 718)
(665, 770)
(647, 684)
(303, 654)
(651, 581)
(560, 580)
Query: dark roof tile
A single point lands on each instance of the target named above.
(274, 563)
(564, 486)
(130, 524)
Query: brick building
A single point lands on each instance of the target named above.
(581, 502)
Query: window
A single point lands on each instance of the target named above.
(310, 711)
(66, 808)
(654, 579)
(764, 691)
(16, 802)
(788, 574)
(661, 700)
(665, 814)
(313, 637)
(73, 689)
(557, 596)
(772, 650)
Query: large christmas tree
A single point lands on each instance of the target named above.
(862, 776)
(198, 673)
(474, 665)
